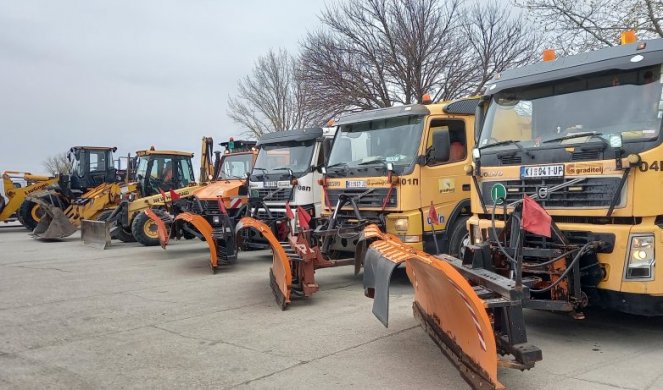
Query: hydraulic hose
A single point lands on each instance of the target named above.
(566, 272)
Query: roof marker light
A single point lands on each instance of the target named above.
(549, 55)
(627, 37)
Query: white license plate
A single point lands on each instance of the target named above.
(270, 184)
(355, 184)
(556, 170)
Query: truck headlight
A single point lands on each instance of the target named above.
(640, 261)
(401, 225)
(216, 220)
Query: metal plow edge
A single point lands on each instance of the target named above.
(446, 305)
(280, 274)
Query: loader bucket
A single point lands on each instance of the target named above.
(54, 224)
(280, 274)
(96, 233)
(201, 224)
(162, 230)
(446, 305)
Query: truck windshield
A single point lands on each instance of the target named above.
(278, 158)
(235, 166)
(376, 143)
(627, 103)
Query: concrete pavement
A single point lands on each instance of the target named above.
(133, 317)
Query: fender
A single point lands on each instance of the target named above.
(281, 272)
(445, 303)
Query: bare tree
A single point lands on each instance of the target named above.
(574, 26)
(377, 53)
(272, 97)
(57, 164)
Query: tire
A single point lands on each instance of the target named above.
(104, 216)
(459, 237)
(123, 235)
(30, 214)
(145, 230)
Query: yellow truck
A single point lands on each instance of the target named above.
(565, 209)
(386, 167)
(14, 194)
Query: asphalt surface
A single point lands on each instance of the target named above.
(75, 317)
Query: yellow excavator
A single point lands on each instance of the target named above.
(15, 194)
(157, 171)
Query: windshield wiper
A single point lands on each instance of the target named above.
(338, 164)
(373, 161)
(509, 142)
(579, 135)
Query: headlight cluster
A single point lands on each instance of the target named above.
(640, 262)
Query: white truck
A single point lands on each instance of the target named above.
(287, 170)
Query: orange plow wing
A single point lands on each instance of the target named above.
(162, 230)
(280, 274)
(445, 303)
(201, 224)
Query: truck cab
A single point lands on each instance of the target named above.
(287, 169)
(398, 162)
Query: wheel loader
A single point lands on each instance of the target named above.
(385, 167)
(157, 171)
(565, 210)
(92, 167)
(212, 211)
(14, 195)
(163, 178)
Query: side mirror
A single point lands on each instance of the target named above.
(441, 144)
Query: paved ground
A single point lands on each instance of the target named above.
(133, 317)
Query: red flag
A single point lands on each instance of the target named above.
(304, 218)
(222, 205)
(174, 196)
(288, 211)
(432, 214)
(535, 218)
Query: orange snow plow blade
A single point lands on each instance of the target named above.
(280, 274)
(162, 230)
(201, 224)
(445, 303)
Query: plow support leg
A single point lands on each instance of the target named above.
(281, 272)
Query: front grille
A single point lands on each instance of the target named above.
(278, 194)
(210, 207)
(262, 214)
(373, 199)
(577, 219)
(584, 155)
(510, 159)
(594, 192)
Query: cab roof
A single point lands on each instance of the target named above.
(77, 148)
(624, 57)
(141, 153)
(464, 106)
(290, 135)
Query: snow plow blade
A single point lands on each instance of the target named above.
(447, 306)
(162, 230)
(54, 224)
(201, 224)
(96, 233)
(280, 274)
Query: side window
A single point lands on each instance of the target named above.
(325, 148)
(97, 161)
(457, 139)
(185, 172)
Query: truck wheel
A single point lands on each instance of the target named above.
(145, 230)
(30, 214)
(459, 237)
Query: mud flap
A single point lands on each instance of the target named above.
(162, 230)
(201, 224)
(96, 233)
(280, 274)
(446, 305)
(54, 224)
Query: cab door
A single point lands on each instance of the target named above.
(443, 174)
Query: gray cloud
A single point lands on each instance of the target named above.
(130, 73)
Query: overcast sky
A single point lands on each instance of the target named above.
(130, 73)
